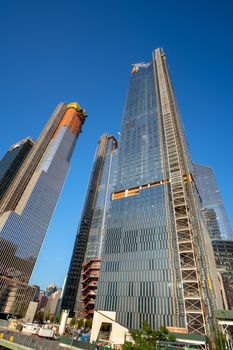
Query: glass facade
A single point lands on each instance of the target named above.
(11, 198)
(139, 157)
(97, 229)
(154, 252)
(136, 265)
(11, 163)
(15, 297)
(136, 249)
(22, 231)
(223, 251)
(212, 199)
(212, 223)
(23, 234)
(90, 235)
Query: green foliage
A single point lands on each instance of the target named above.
(144, 346)
(72, 322)
(88, 323)
(80, 322)
(55, 319)
(47, 316)
(59, 318)
(146, 338)
(220, 342)
(40, 316)
(128, 346)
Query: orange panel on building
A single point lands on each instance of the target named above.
(72, 120)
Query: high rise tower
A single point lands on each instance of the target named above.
(12, 161)
(212, 200)
(90, 235)
(156, 259)
(27, 206)
(219, 226)
(223, 251)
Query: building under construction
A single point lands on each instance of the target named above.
(157, 254)
(79, 294)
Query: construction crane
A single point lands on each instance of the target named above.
(136, 66)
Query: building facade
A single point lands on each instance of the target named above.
(90, 235)
(157, 252)
(52, 304)
(212, 223)
(27, 206)
(219, 226)
(42, 300)
(12, 161)
(52, 288)
(89, 284)
(212, 201)
(223, 251)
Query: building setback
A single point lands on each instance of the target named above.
(27, 206)
(157, 254)
(90, 234)
(212, 201)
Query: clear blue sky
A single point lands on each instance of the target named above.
(54, 51)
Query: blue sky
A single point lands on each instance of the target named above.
(54, 51)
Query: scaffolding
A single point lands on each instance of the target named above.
(187, 249)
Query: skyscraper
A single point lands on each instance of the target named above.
(90, 235)
(219, 226)
(223, 251)
(212, 199)
(155, 266)
(212, 223)
(12, 161)
(27, 206)
(52, 288)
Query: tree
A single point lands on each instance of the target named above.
(80, 322)
(47, 316)
(88, 323)
(40, 316)
(220, 342)
(128, 346)
(146, 338)
(72, 322)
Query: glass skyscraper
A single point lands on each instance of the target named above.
(212, 199)
(223, 251)
(12, 161)
(219, 226)
(28, 204)
(90, 236)
(155, 266)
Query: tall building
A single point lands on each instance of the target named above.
(27, 206)
(212, 223)
(212, 201)
(90, 234)
(157, 253)
(219, 226)
(12, 161)
(42, 300)
(53, 303)
(223, 251)
(52, 288)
